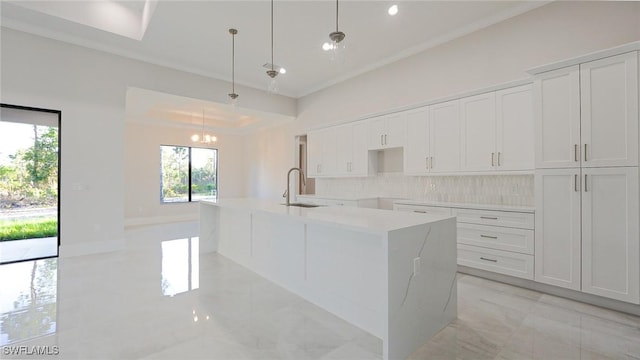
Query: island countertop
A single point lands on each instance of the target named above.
(362, 219)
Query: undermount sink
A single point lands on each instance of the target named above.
(303, 205)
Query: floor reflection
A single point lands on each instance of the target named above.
(180, 265)
(28, 300)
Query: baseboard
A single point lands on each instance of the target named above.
(154, 220)
(554, 290)
(91, 248)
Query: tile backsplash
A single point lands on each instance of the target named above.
(512, 190)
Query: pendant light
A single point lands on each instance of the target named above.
(204, 138)
(233, 94)
(273, 85)
(336, 45)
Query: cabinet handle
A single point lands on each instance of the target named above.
(487, 259)
(431, 162)
(575, 152)
(420, 211)
(385, 139)
(493, 155)
(489, 217)
(381, 142)
(426, 162)
(585, 183)
(498, 158)
(585, 153)
(575, 182)
(488, 236)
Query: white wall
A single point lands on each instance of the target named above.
(269, 154)
(89, 87)
(142, 171)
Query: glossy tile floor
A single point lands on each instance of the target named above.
(160, 300)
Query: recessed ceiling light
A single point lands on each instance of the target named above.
(393, 9)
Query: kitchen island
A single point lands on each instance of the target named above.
(389, 273)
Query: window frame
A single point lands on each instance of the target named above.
(189, 171)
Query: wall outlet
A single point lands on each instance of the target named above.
(432, 187)
(416, 266)
(515, 189)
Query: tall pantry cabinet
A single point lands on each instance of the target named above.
(586, 179)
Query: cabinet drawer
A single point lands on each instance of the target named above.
(503, 262)
(495, 237)
(350, 203)
(435, 210)
(496, 218)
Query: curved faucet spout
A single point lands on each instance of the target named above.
(301, 174)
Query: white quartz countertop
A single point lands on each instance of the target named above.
(330, 197)
(527, 209)
(359, 219)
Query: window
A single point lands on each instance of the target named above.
(188, 174)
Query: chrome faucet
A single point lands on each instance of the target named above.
(286, 192)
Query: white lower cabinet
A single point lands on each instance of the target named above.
(503, 262)
(492, 240)
(498, 241)
(587, 231)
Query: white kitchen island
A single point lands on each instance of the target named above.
(392, 274)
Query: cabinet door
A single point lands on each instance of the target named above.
(557, 227)
(556, 96)
(444, 137)
(344, 149)
(610, 265)
(514, 125)
(609, 111)
(377, 130)
(360, 159)
(314, 153)
(478, 125)
(395, 131)
(416, 150)
(329, 152)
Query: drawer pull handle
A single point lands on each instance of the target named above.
(489, 217)
(487, 259)
(420, 211)
(489, 236)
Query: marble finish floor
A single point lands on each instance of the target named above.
(160, 299)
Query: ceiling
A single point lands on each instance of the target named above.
(146, 106)
(193, 35)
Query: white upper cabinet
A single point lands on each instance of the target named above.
(478, 125)
(322, 152)
(587, 115)
(338, 151)
(514, 129)
(387, 131)
(610, 234)
(444, 137)
(497, 131)
(557, 118)
(416, 150)
(344, 149)
(609, 111)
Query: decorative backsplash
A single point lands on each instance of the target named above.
(512, 190)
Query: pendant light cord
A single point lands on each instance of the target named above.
(336, 15)
(233, 63)
(271, 35)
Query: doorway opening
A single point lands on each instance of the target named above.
(29, 183)
(301, 161)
